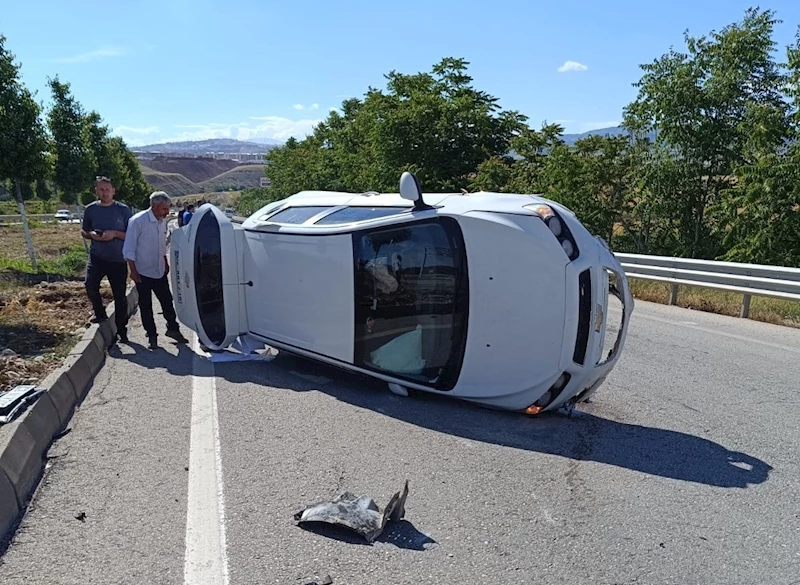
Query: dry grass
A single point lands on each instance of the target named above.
(776, 311)
(40, 320)
(49, 241)
(40, 324)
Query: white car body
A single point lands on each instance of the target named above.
(63, 215)
(474, 297)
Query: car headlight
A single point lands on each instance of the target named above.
(557, 227)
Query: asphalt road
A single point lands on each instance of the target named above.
(683, 470)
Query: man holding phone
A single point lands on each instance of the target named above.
(105, 222)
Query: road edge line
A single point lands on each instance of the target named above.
(205, 553)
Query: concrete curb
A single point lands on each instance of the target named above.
(24, 442)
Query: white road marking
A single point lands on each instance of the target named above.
(206, 561)
(718, 332)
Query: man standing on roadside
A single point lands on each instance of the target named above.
(105, 222)
(145, 250)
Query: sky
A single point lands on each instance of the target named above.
(166, 70)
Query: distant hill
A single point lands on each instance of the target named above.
(224, 145)
(180, 175)
(612, 131)
(196, 170)
(238, 178)
(174, 184)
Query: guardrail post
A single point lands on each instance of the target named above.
(744, 312)
(673, 294)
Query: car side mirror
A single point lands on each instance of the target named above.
(410, 189)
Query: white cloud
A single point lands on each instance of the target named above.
(136, 136)
(299, 106)
(96, 55)
(314, 106)
(136, 130)
(572, 66)
(274, 127)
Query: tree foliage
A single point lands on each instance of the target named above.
(75, 160)
(435, 124)
(114, 160)
(22, 137)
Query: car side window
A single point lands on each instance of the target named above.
(411, 301)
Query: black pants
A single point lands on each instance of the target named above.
(159, 286)
(117, 274)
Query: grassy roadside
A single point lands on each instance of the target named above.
(777, 311)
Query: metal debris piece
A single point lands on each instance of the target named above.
(13, 401)
(358, 513)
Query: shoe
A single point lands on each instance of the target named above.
(153, 342)
(176, 335)
(99, 319)
(122, 337)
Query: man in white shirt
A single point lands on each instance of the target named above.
(145, 250)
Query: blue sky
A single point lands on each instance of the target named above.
(190, 69)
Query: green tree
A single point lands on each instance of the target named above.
(22, 136)
(435, 124)
(74, 159)
(763, 210)
(43, 191)
(595, 179)
(114, 160)
(712, 109)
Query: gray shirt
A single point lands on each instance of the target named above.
(146, 244)
(109, 217)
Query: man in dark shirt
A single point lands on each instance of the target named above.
(105, 222)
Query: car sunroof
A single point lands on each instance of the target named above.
(354, 214)
(296, 215)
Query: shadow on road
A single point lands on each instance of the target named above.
(584, 437)
(401, 534)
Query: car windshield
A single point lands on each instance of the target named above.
(411, 301)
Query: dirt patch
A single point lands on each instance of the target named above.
(38, 326)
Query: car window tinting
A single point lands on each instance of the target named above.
(296, 215)
(411, 300)
(208, 278)
(353, 214)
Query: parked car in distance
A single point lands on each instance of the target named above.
(63, 215)
(495, 298)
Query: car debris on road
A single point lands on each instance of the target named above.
(358, 513)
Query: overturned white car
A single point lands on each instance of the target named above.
(495, 298)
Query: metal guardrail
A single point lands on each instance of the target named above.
(780, 282)
(750, 280)
(16, 218)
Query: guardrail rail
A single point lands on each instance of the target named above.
(780, 282)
